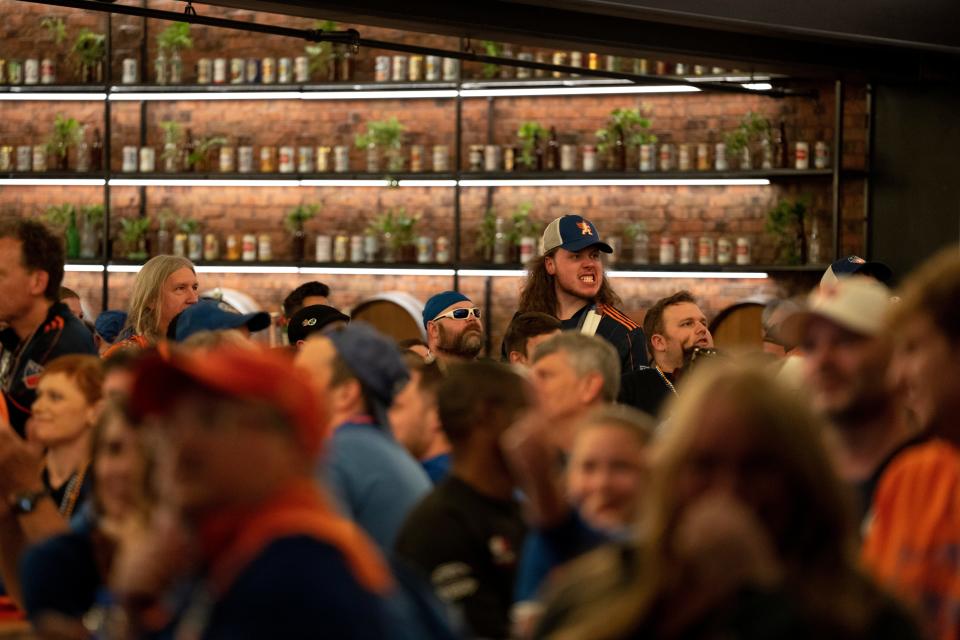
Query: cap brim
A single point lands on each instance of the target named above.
(257, 321)
(880, 271)
(586, 243)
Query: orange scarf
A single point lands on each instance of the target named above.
(231, 540)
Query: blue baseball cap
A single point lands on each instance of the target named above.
(374, 359)
(214, 315)
(109, 323)
(436, 304)
(573, 233)
(853, 265)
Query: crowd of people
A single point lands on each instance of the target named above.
(163, 474)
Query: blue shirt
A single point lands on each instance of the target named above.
(437, 467)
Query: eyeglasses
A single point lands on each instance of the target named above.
(460, 314)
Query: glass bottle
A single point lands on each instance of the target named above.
(500, 249)
(188, 149)
(813, 244)
(89, 240)
(538, 152)
(619, 153)
(73, 236)
(83, 152)
(553, 151)
(176, 68)
(160, 68)
(781, 148)
(96, 152)
(346, 64)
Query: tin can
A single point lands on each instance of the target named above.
(451, 69)
(341, 158)
(443, 250)
(699, 70)
(683, 157)
(491, 157)
(801, 155)
(476, 157)
(204, 71)
(416, 158)
(647, 160)
(766, 154)
(252, 71)
(341, 245)
(249, 248)
(593, 61)
(680, 69)
(399, 73)
(6, 158)
(559, 58)
(305, 159)
(220, 71)
(227, 158)
(211, 248)
(524, 73)
(31, 71)
(370, 247)
(47, 71)
(24, 158)
(821, 155)
(301, 69)
(703, 157)
(323, 248)
(245, 158)
(666, 157)
(686, 250)
(129, 159)
(424, 249)
(589, 157)
(287, 164)
(724, 251)
(195, 247)
(373, 159)
(509, 158)
(528, 249)
(660, 68)
(129, 71)
(433, 67)
(381, 69)
(568, 157)
(743, 250)
(441, 158)
(263, 248)
(180, 245)
(148, 160)
(611, 63)
(233, 248)
(576, 59)
(268, 71)
(706, 250)
(39, 157)
(323, 159)
(720, 157)
(668, 250)
(237, 70)
(285, 71)
(415, 70)
(641, 248)
(15, 72)
(641, 66)
(539, 58)
(268, 159)
(356, 249)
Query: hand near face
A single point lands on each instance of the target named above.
(21, 463)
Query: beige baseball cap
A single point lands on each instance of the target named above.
(856, 303)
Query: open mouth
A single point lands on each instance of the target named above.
(588, 278)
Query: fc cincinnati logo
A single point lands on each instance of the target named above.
(31, 374)
(584, 228)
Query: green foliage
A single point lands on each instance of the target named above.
(785, 221)
(203, 147)
(632, 230)
(383, 134)
(628, 123)
(300, 215)
(67, 133)
(92, 214)
(90, 48)
(398, 225)
(164, 218)
(57, 28)
(495, 49)
(752, 128)
(59, 215)
(188, 225)
(487, 232)
(132, 231)
(530, 133)
(322, 54)
(521, 224)
(172, 131)
(175, 38)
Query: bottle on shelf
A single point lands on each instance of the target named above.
(96, 152)
(73, 235)
(821, 153)
(813, 243)
(780, 147)
(619, 153)
(538, 152)
(83, 152)
(176, 68)
(641, 245)
(160, 68)
(189, 147)
(500, 244)
(345, 64)
(553, 151)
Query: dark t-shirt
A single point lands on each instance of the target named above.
(618, 329)
(467, 545)
(22, 362)
(644, 389)
(60, 575)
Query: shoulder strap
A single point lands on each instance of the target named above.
(591, 321)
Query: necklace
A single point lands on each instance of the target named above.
(70, 496)
(666, 381)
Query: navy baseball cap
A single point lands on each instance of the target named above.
(853, 265)
(214, 315)
(573, 233)
(109, 323)
(373, 358)
(312, 319)
(436, 304)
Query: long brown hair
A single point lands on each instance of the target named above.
(539, 291)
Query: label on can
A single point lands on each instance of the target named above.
(204, 71)
(249, 250)
(129, 71)
(285, 71)
(668, 250)
(286, 164)
(441, 158)
(237, 67)
(399, 69)
(220, 71)
(381, 69)
(821, 155)
(802, 155)
(268, 71)
(341, 158)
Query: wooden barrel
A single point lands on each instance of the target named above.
(739, 325)
(394, 313)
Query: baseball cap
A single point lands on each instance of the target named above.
(109, 323)
(312, 319)
(214, 315)
(254, 374)
(852, 265)
(373, 358)
(857, 303)
(573, 233)
(438, 303)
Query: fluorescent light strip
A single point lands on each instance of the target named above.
(203, 95)
(344, 183)
(176, 182)
(379, 95)
(56, 182)
(728, 78)
(375, 271)
(757, 86)
(492, 273)
(83, 268)
(626, 182)
(702, 275)
(577, 91)
(246, 269)
(49, 97)
(123, 268)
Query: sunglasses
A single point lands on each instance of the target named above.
(460, 314)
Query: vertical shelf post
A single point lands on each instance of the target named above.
(837, 166)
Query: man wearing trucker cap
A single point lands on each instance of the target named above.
(567, 281)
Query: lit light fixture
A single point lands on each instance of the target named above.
(53, 182)
(700, 275)
(83, 268)
(360, 94)
(375, 271)
(427, 183)
(160, 96)
(577, 91)
(618, 182)
(52, 96)
(491, 273)
(344, 183)
(123, 268)
(191, 182)
(727, 78)
(757, 86)
(248, 269)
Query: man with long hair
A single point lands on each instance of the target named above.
(567, 281)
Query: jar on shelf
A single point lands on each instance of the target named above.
(356, 249)
(451, 69)
(373, 158)
(703, 157)
(524, 73)
(683, 157)
(237, 68)
(370, 247)
(301, 69)
(245, 156)
(666, 156)
(568, 157)
(724, 251)
(324, 248)
(285, 70)
(476, 157)
(31, 71)
(415, 69)
(720, 157)
(381, 69)
(268, 159)
(176, 68)
(47, 72)
(528, 249)
(24, 158)
(647, 160)
(227, 159)
(195, 247)
(433, 68)
(801, 153)
(686, 250)
(220, 71)
(148, 160)
(287, 161)
(706, 250)
(441, 158)
(589, 158)
(128, 70)
(252, 71)
(424, 249)
(560, 59)
(264, 249)
(305, 162)
(6, 158)
(204, 71)
(130, 159)
(668, 250)
(743, 251)
(180, 245)
(211, 247)
(416, 158)
(442, 250)
(399, 69)
(821, 155)
(39, 157)
(491, 157)
(249, 248)
(323, 159)
(233, 248)
(641, 247)
(268, 70)
(341, 158)
(341, 247)
(766, 154)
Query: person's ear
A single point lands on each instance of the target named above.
(590, 387)
(433, 331)
(516, 357)
(95, 410)
(38, 282)
(551, 265)
(658, 342)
